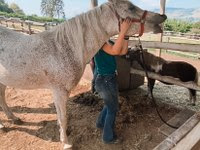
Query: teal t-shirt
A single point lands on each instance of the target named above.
(105, 64)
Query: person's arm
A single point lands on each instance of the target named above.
(121, 45)
(92, 65)
(124, 48)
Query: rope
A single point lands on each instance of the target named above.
(153, 100)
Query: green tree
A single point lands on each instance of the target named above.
(4, 7)
(16, 8)
(52, 8)
(196, 25)
(178, 26)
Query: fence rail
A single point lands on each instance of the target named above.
(31, 30)
(185, 35)
(169, 46)
(27, 26)
(31, 27)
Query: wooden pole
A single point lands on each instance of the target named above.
(167, 79)
(22, 26)
(162, 7)
(46, 26)
(176, 136)
(29, 28)
(190, 141)
(162, 12)
(93, 3)
(6, 23)
(13, 24)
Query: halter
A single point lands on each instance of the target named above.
(142, 21)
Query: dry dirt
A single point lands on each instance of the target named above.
(137, 121)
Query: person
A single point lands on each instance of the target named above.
(93, 68)
(106, 82)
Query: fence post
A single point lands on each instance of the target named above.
(22, 25)
(29, 28)
(6, 23)
(162, 11)
(13, 24)
(46, 26)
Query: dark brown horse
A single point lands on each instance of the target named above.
(178, 69)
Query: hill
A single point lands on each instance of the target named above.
(188, 14)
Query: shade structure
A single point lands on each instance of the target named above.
(162, 6)
(93, 3)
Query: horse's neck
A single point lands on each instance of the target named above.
(87, 32)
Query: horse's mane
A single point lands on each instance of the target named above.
(75, 30)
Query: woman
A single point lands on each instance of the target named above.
(106, 81)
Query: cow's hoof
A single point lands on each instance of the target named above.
(67, 147)
(17, 122)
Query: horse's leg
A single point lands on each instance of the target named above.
(151, 83)
(5, 107)
(60, 96)
(192, 97)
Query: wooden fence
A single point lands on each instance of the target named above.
(27, 26)
(170, 46)
(31, 27)
(185, 35)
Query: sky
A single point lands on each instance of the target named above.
(75, 7)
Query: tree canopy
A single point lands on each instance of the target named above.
(16, 8)
(52, 8)
(4, 7)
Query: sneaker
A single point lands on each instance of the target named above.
(114, 141)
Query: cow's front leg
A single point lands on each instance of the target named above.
(60, 96)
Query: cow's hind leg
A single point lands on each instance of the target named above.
(60, 96)
(192, 97)
(5, 107)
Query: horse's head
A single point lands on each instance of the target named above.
(146, 21)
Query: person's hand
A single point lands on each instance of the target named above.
(125, 25)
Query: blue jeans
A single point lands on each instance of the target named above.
(106, 86)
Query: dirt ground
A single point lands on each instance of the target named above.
(137, 122)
